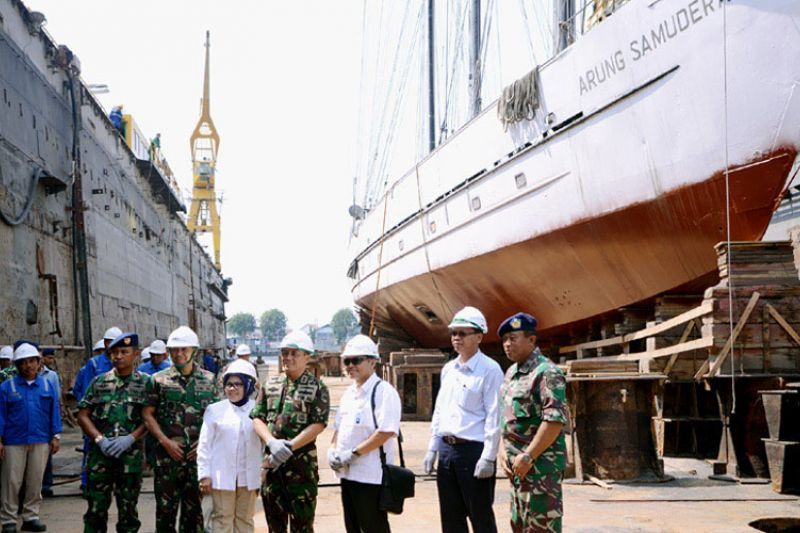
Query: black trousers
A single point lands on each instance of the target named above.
(461, 494)
(361, 513)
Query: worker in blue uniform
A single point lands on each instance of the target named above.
(48, 372)
(158, 358)
(30, 429)
(98, 364)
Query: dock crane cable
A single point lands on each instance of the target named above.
(728, 198)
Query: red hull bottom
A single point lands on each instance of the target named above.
(594, 266)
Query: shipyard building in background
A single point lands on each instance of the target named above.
(143, 269)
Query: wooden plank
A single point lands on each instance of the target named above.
(765, 352)
(674, 357)
(703, 309)
(597, 481)
(591, 345)
(785, 325)
(697, 344)
(723, 355)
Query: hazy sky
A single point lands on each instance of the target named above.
(285, 84)
(284, 97)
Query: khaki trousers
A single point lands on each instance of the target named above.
(233, 510)
(24, 461)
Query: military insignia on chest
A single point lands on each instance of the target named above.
(306, 392)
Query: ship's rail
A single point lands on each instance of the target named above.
(588, 16)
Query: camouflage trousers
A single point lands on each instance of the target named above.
(536, 504)
(176, 486)
(289, 494)
(107, 476)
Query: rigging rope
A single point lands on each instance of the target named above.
(380, 268)
(728, 197)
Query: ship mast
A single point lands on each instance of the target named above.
(474, 59)
(203, 216)
(564, 22)
(431, 81)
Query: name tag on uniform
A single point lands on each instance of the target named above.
(104, 386)
(136, 390)
(306, 393)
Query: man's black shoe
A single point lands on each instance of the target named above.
(34, 525)
(9, 528)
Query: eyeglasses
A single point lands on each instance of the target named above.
(353, 361)
(234, 385)
(460, 333)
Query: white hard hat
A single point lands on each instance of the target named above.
(112, 333)
(469, 317)
(298, 340)
(183, 337)
(157, 347)
(243, 349)
(6, 352)
(146, 354)
(360, 345)
(99, 345)
(240, 366)
(24, 351)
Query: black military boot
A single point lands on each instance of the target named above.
(34, 525)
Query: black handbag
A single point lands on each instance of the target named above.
(397, 482)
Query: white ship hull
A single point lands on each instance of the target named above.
(624, 201)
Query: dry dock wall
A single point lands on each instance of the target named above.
(146, 273)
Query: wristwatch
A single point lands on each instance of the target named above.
(98, 438)
(526, 458)
(57, 436)
(355, 452)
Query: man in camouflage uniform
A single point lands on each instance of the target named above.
(533, 416)
(179, 396)
(110, 414)
(290, 412)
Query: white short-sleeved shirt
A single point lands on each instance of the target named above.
(354, 425)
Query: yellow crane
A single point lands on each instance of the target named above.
(203, 216)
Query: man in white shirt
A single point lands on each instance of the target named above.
(465, 430)
(359, 435)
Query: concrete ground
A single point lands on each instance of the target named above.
(691, 502)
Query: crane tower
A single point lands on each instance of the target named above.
(203, 216)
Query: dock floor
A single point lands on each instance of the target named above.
(690, 502)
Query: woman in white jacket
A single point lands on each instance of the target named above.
(229, 453)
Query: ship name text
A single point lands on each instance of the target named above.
(648, 42)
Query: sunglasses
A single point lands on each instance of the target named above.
(461, 334)
(353, 361)
(236, 385)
